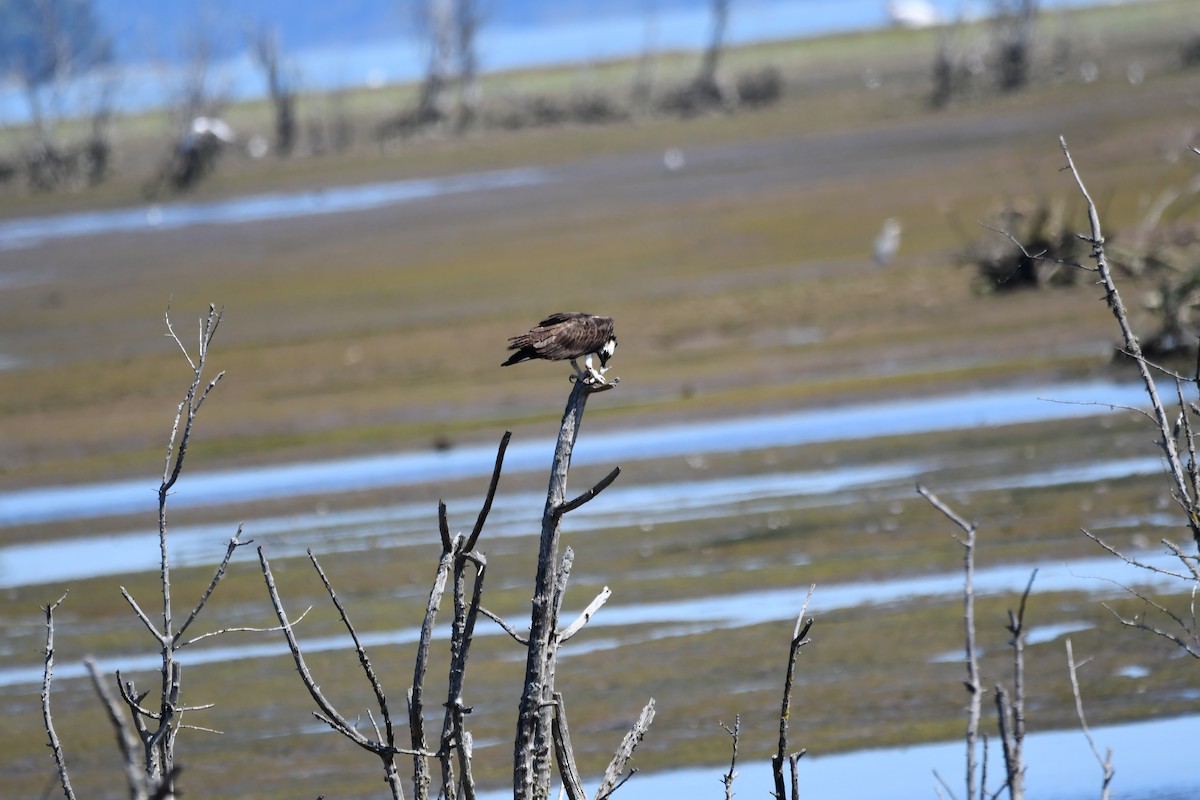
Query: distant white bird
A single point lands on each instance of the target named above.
(673, 159)
(887, 242)
(213, 126)
(913, 14)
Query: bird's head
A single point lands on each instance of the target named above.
(607, 351)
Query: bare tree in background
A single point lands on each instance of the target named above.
(467, 20)
(44, 45)
(705, 91)
(266, 48)
(706, 79)
(1014, 22)
(198, 94)
(199, 134)
(449, 29)
(436, 21)
(641, 92)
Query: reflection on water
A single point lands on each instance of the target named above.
(28, 232)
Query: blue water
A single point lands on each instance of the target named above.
(30, 231)
(1153, 761)
(371, 43)
(620, 624)
(842, 423)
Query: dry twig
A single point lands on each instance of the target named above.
(729, 777)
(799, 639)
(1105, 762)
(973, 684)
(60, 760)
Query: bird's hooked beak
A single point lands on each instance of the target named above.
(607, 351)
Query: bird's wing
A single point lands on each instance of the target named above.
(560, 317)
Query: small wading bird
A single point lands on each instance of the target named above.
(568, 336)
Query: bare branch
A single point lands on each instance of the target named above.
(60, 760)
(610, 782)
(331, 715)
(126, 741)
(533, 739)
(416, 693)
(1191, 562)
(730, 776)
(241, 629)
(1012, 728)
(1191, 647)
(233, 545)
(172, 335)
(142, 616)
(799, 639)
(565, 753)
(455, 736)
(1167, 442)
(600, 486)
(949, 513)
(363, 660)
(133, 700)
(443, 525)
(585, 615)
(1105, 762)
(793, 760)
(491, 493)
(518, 638)
(972, 683)
(1129, 559)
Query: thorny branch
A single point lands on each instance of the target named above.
(1184, 496)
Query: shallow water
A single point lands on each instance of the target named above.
(515, 514)
(31, 231)
(843, 423)
(1153, 761)
(1060, 766)
(1102, 576)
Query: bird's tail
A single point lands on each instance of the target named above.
(516, 358)
(523, 346)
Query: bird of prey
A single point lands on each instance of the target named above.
(568, 336)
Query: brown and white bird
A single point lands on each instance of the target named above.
(568, 336)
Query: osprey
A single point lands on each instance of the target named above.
(568, 336)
